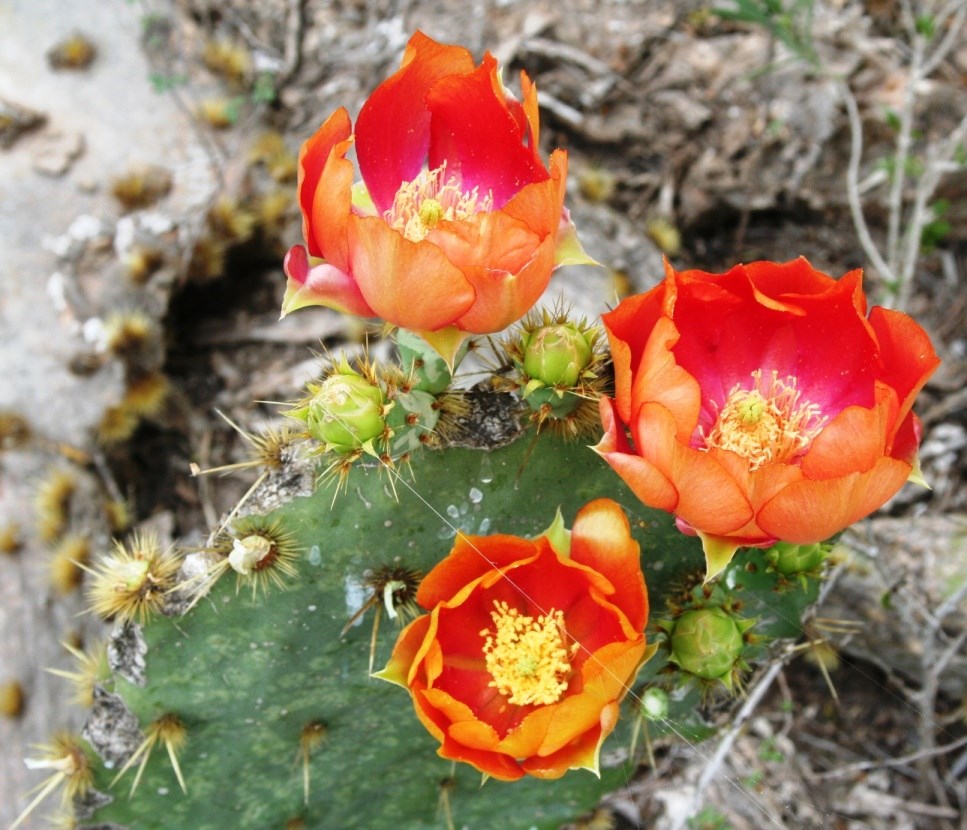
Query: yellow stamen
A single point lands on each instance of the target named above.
(420, 205)
(528, 658)
(767, 423)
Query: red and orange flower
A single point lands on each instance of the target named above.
(456, 224)
(763, 404)
(529, 645)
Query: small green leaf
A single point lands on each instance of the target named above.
(925, 26)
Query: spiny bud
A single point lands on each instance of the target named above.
(346, 411)
(708, 643)
(793, 560)
(556, 355)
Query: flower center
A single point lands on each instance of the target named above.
(767, 423)
(528, 658)
(421, 204)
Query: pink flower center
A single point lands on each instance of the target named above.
(528, 658)
(421, 204)
(769, 423)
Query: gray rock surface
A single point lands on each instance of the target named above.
(99, 121)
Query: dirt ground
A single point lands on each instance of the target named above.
(142, 186)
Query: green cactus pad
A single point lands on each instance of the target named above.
(246, 675)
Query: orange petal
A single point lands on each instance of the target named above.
(434, 722)
(507, 265)
(463, 725)
(646, 481)
(331, 207)
(313, 158)
(539, 205)
(659, 378)
(501, 767)
(812, 511)
(409, 284)
(581, 753)
(758, 485)
(629, 329)
(853, 441)
(526, 739)
(471, 558)
(529, 92)
(601, 539)
(709, 498)
(606, 678)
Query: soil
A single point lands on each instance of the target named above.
(678, 123)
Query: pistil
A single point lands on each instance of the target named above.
(420, 205)
(768, 423)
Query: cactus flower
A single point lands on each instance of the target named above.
(529, 645)
(763, 404)
(456, 223)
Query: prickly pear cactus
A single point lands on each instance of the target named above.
(256, 707)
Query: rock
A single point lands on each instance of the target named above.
(15, 120)
(57, 151)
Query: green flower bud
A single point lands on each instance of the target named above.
(707, 642)
(346, 412)
(791, 560)
(556, 355)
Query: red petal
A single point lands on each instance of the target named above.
(601, 539)
(908, 355)
(818, 338)
(393, 127)
(475, 133)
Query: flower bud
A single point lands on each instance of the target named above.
(556, 355)
(346, 412)
(707, 642)
(792, 560)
